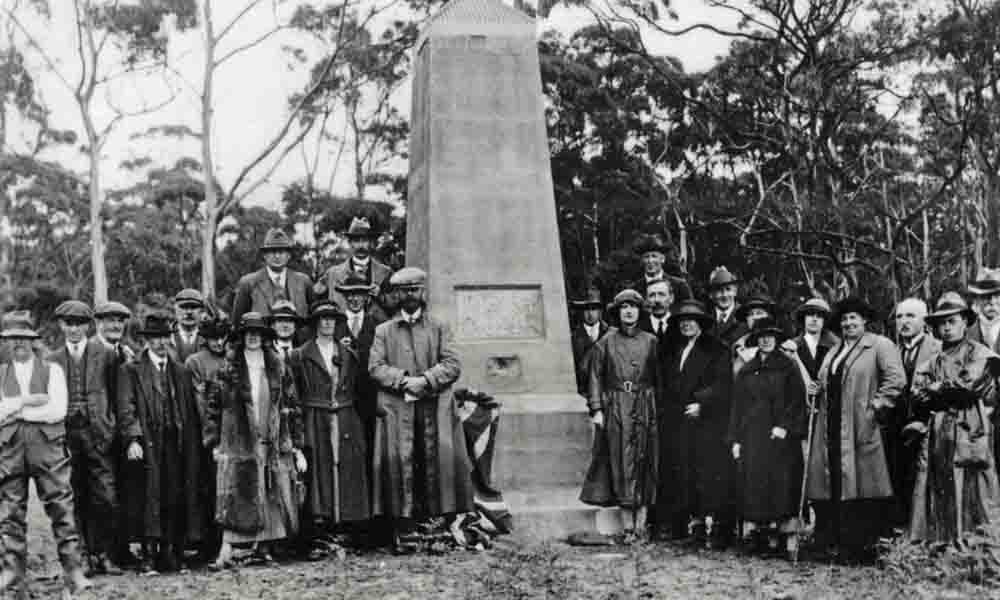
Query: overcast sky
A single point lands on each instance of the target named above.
(252, 90)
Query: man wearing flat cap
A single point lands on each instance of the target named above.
(189, 307)
(361, 238)
(652, 252)
(111, 319)
(258, 291)
(422, 468)
(90, 432)
(32, 433)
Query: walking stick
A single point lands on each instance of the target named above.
(811, 406)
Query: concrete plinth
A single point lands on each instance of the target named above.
(481, 220)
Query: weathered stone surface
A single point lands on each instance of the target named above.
(481, 220)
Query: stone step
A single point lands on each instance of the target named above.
(554, 513)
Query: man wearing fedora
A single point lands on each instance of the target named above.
(361, 238)
(586, 334)
(723, 287)
(33, 401)
(359, 325)
(985, 292)
(189, 307)
(423, 468)
(204, 367)
(652, 252)
(284, 321)
(90, 432)
(696, 472)
(159, 426)
(258, 291)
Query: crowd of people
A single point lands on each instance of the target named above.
(717, 424)
(319, 410)
(314, 413)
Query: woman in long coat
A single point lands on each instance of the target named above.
(254, 428)
(953, 494)
(848, 474)
(326, 371)
(767, 425)
(622, 402)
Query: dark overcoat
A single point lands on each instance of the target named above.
(729, 330)
(424, 348)
(346, 496)
(766, 394)
(234, 430)
(812, 363)
(695, 463)
(256, 293)
(581, 345)
(136, 397)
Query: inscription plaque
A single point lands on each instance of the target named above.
(499, 312)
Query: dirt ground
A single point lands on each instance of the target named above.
(511, 570)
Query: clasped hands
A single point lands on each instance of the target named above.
(416, 386)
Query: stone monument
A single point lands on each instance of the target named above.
(481, 220)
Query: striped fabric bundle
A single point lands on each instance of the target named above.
(480, 416)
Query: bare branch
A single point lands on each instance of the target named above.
(239, 16)
(255, 42)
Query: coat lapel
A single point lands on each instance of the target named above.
(95, 365)
(863, 344)
(311, 352)
(146, 374)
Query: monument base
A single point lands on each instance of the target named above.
(542, 455)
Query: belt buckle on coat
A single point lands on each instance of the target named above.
(627, 386)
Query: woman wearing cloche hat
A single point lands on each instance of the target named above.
(622, 402)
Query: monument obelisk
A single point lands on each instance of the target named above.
(481, 220)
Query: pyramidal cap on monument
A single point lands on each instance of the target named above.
(481, 220)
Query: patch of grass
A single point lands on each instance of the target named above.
(528, 573)
(975, 561)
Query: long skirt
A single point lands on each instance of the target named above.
(624, 467)
(280, 508)
(948, 501)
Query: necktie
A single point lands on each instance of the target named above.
(659, 329)
(355, 325)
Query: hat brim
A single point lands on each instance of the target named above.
(24, 334)
(155, 332)
(936, 317)
(703, 319)
(277, 248)
(753, 336)
(261, 329)
(988, 289)
(740, 314)
(327, 314)
(113, 313)
(718, 284)
(353, 289)
(371, 235)
(585, 304)
(283, 317)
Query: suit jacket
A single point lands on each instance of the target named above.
(729, 330)
(179, 351)
(378, 275)
(367, 391)
(97, 381)
(976, 335)
(255, 292)
(582, 344)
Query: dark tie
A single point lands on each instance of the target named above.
(659, 329)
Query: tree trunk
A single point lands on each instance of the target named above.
(96, 192)
(927, 256)
(208, 166)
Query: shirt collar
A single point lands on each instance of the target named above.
(277, 278)
(77, 348)
(412, 318)
(914, 341)
(354, 315)
(158, 361)
(657, 277)
(723, 315)
(358, 263)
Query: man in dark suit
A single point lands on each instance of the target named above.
(361, 237)
(359, 325)
(587, 333)
(695, 468)
(652, 252)
(723, 287)
(90, 433)
(189, 308)
(985, 293)
(260, 290)
(656, 319)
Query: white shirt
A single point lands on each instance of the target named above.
(255, 368)
(283, 347)
(412, 318)
(278, 279)
(358, 264)
(990, 332)
(326, 350)
(160, 362)
(656, 323)
(594, 331)
(721, 316)
(76, 350)
(812, 342)
(354, 321)
(687, 349)
(188, 338)
(52, 411)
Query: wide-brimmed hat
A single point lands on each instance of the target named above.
(590, 301)
(987, 282)
(721, 276)
(253, 321)
(852, 304)
(112, 309)
(18, 324)
(325, 309)
(756, 301)
(188, 297)
(157, 324)
(408, 277)
(283, 309)
(73, 310)
(277, 240)
(691, 309)
(360, 227)
(650, 243)
(950, 303)
(763, 327)
(627, 296)
(214, 328)
(354, 284)
(813, 306)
